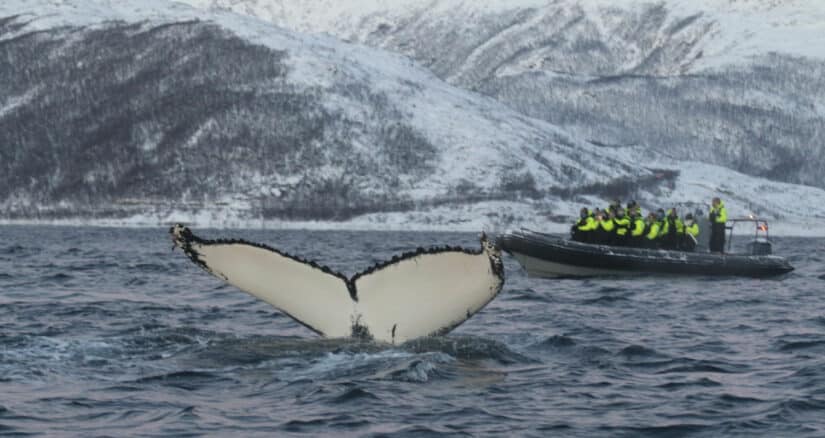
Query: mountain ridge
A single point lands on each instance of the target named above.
(158, 113)
(737, 84)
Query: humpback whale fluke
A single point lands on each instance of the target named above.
(421, 293)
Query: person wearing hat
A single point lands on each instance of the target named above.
(638, 228)
(582, 231)
(605, 233)
(634, 206)
(718, 218)
(661, 219)
(614, 207)
(652, 228)
(673, 230)
(622, 226)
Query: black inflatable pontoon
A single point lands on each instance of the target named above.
(545, 255)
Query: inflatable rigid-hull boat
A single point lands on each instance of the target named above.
(545, 255)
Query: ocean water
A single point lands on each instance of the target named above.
(108, 332)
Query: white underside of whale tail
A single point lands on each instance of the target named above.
(302, 291)
(424, 293)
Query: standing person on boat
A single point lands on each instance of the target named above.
(718, 218)
(689, 239)
(585, 227)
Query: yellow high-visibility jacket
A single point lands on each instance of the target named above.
(654, 231)
(622, 225)
(587, 224)
(692, 229)
(718, 214)
(638, 227)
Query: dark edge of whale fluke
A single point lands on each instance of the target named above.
(186, 240)
(188, 237)
(496, 266)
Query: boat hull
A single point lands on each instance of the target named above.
(544, 255)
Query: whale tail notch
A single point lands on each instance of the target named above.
(425, 292)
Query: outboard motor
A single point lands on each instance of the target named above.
(761, 243)
(759, 247)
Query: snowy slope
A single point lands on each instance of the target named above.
(138, 113)
(731, 83)
(370, 120)
(725, 31)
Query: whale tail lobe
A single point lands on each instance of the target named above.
(421, 293)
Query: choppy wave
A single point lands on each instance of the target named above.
(145, 345)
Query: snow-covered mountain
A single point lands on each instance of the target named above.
(597, 37)
(737, 83)
(156, 111)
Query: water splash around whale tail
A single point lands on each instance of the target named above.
(421, 293)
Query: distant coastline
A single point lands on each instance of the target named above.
(776, 228)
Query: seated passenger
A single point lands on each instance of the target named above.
(637, 228)
(605, 230)
(622, 226)
(614, 207)
(634, 206)
(691, 235)
(583, 229)
(672, 230)
(652, 228)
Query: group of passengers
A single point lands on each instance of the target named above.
(626, 227)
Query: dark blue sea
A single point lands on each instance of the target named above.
(107, 332)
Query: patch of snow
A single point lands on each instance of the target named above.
(741, 28)
(472, 132)
(744, 195)
(13, 102)
(472, 218)
(192, 141)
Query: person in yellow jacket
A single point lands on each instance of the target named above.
(634, 206)
(718, 218)
(672, 230)
(622, 226)
(652, 228)
(637, 228)
(614, 207)
(585, 227)
(689, 239)
(606, 226)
